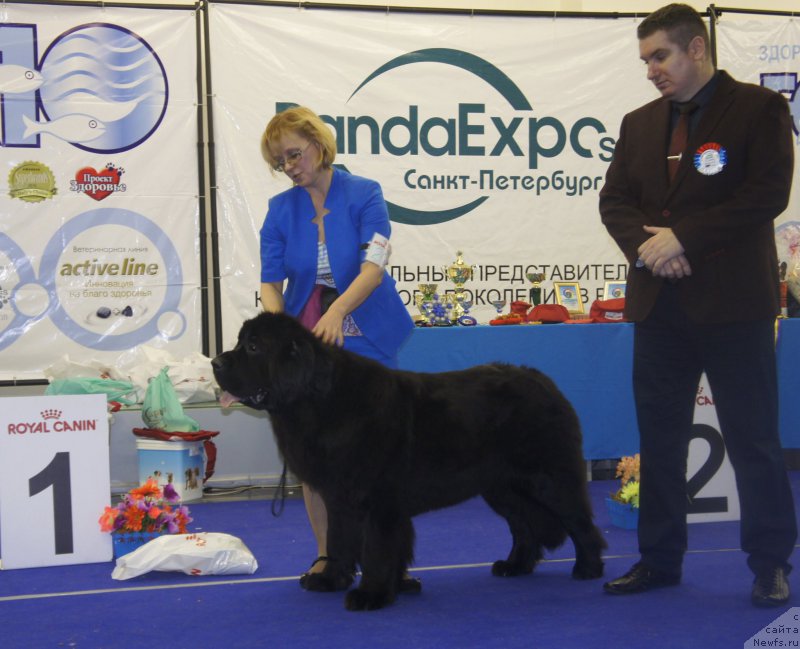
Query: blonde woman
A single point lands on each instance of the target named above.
(324, 247)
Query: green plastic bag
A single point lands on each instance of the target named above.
(120, 391)
(163, 410)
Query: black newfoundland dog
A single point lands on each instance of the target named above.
(381, 446)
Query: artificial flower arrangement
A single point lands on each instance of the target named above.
(628, 473)
(147, 508)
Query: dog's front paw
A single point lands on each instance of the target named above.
(361, 600)
(587, 570)
(509, 569)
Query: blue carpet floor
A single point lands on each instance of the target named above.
(461, 605)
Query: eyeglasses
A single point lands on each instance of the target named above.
(291, 158)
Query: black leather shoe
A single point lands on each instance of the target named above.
(639, 579)
(770, 588)
(410, 585)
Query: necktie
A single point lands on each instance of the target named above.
(680, 136)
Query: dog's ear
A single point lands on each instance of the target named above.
(301, 369)
(322, 376)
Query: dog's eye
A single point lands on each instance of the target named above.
(252, 348)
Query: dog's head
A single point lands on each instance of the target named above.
(276, 362)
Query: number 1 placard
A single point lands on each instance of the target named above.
(54, 480)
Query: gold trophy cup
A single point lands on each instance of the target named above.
(535, 291)
(459, 273)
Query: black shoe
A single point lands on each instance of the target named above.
(770, 588)
(410, 585)
(639, 579)
(332, 577)
(304, 576)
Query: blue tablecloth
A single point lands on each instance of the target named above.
(591, 364)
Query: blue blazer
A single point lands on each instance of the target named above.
(356, 210)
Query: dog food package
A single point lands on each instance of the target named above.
(201, 553)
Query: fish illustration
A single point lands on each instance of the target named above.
(104, 110)
(16, 79)
(76, 128)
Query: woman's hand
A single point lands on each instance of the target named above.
(329, 327)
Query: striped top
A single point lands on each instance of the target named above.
(325, 278)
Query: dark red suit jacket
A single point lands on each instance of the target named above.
(723, 218)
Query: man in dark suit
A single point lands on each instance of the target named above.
(702, 290)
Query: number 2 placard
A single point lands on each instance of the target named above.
(54, 480)
(711, 485)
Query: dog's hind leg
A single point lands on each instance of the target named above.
(531, 527)
(589, 545)
(569, 502)
(587, 539)
(387, 551)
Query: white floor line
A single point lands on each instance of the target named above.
(263, 580)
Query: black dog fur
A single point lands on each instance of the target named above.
(381, 446)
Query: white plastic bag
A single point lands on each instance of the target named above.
(201, 553)
(191, 375)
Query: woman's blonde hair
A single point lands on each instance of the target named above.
(301, 121)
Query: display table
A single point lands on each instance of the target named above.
(591, 364)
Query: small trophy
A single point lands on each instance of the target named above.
(498, 305)
(460, 273)
(535, 291)
(425, 301)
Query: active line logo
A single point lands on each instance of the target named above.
(471, 148)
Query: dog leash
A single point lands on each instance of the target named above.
(280, 496)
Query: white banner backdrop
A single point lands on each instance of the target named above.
(489, 135)
(99, 216)
(765, 50)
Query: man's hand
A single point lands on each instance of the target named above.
(662, 254)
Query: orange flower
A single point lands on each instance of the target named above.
(148, 489)
(628, 469)
(133, 519)
(182, 520)
(143, 509)
(107, 519)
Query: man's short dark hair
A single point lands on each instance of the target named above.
(680, 21)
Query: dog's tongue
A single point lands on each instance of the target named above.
(226, 399)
